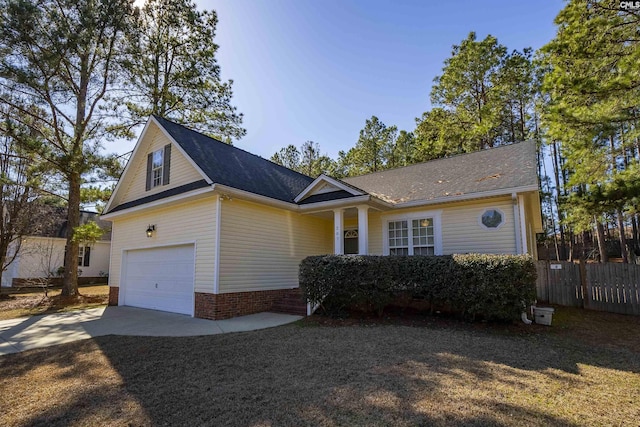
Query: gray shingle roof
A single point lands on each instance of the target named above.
(500, 168)
(231, 166)
(53, 222)
(504, 167)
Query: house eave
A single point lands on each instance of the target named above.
(160, 202)
(247, 195)
(464, 197)
(344, 203)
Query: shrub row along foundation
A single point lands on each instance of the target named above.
(496, 287)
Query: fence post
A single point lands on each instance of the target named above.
(583, 283)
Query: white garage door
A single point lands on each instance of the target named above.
(160, 278)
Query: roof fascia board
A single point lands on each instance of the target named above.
(332, 204)
(329, 180)
(156, 203)
(184, 153)
(225, 189)
(126, 168)
(470, 196)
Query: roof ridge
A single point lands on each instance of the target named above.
(439, 159)
(228, 145)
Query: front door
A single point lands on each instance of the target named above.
(351, 242)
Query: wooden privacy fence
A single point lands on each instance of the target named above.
(609, 287)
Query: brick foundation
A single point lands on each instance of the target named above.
(225, 306)
(114, 291)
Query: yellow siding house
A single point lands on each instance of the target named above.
(203, 228)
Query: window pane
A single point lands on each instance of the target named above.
(423, 251)
(398, 238)
(491, 218)
(399, 251)
(157, 159)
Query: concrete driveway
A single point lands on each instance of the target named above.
(25, 333)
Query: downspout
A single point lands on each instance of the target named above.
(216, 262)
(516, 223)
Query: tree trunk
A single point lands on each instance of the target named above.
(556, 173)
(636, 237)
(602, 247)
(623, 238)
(70, 279)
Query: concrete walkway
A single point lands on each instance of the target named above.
(25, 333)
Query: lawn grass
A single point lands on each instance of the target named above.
(402, 372)
(29, 302)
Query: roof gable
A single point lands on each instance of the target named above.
(228, 165)
(326, 186)
(131, 185)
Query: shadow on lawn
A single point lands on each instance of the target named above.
(326, 376)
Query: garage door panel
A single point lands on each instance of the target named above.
(160, 279)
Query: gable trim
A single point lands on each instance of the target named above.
(328, 180)
(128, 165)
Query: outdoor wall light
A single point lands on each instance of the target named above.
(150, 229)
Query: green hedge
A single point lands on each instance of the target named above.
(492, 286)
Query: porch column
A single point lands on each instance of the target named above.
(338, 228)
(363, 230)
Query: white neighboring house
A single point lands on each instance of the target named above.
(41, 256)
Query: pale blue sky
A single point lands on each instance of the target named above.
(317, 69)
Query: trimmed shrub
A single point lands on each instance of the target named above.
(493, 286)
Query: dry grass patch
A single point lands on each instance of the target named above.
(29, 303)
(435, 374)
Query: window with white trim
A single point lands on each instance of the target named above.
(411, 237)
(84, 256)
(398, 238)
(422, 236)
(157, 168)
(492, 219)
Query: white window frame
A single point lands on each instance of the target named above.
(435, 215)
(159, 169)
(500, 211)
(81, 257)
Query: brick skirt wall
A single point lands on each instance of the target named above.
(114, 291)
(225, 306)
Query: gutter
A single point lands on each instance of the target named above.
(159, 202)
(470, 196)
(318, 206)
